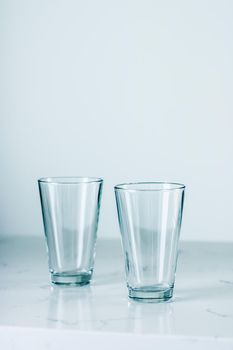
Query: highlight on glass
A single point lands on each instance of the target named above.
(70, 210)
(150, 215)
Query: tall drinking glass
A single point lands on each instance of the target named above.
(150, 215)
(70, 209)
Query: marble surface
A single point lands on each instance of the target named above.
(35, 313)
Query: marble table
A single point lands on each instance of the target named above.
(36, 315)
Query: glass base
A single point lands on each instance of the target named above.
(147, 294)
(70, 279)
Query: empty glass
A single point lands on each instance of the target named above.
(150, 215)
(70, 209)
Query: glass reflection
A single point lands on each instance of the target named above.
(70, 307)
(150, 318)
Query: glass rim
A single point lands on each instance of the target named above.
(69, 180)
(127, 186)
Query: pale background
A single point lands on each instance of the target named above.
(125, 90)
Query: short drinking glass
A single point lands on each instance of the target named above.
(150, 215)
(70, 209)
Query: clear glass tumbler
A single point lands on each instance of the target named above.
(70, 209)
(150, 215)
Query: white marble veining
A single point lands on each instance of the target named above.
(199, 316)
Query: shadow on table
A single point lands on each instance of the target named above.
(108, 278)
(221, 291)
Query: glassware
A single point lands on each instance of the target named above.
(70, 209)
(150, 215)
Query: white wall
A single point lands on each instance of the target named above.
(126, 90)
